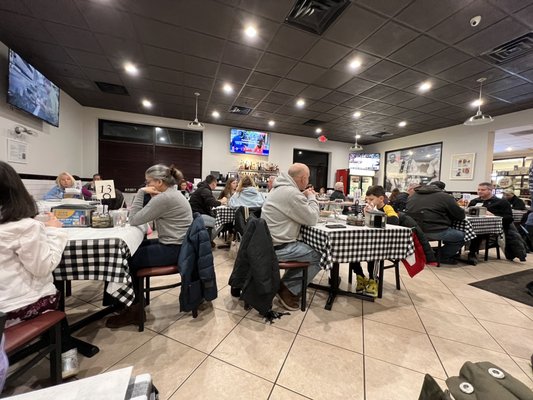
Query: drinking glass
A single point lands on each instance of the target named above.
(337, 208)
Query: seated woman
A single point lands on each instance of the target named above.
(229, 189)
(172, 215)
(182, 187)
(29, 252)
(64, 180)
(246, 195)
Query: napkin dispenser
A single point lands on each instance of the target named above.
(74, 215)
(375, 219)
(477, 211)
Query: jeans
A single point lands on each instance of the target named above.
(152, 253)
(299, 251)
(452, 239)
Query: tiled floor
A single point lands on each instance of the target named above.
(372, 351)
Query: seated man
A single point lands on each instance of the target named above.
(338, 193)
(202, 201)
(516, 202)
(496, 206)
(289, 206)
(439, 211)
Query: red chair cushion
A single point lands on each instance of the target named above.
(293, 264)
(17, 336)
(158, 271)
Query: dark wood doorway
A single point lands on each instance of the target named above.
(318, 163)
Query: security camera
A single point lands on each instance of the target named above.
(475, 21)
(19, 130)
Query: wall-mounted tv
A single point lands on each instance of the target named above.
(245, 141)
(364, 161)
(31, 91)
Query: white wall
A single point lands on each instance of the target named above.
(52, 150)
(216, 155)
(459, 139)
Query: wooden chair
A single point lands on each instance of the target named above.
(286, 265)
(19, 343)
(144, 289)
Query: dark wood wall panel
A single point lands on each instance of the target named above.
(188, 161)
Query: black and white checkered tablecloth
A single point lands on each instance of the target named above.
(518, 214)
(466, 226)
(225, 215)
(358, 243)
(486, 225)
(98, 259)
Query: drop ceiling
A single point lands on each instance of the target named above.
(187, 46)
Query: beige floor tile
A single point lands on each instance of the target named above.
(256, 347)
(89, 291)
(516, 341)
(342, 304)
(281, 393)
(217, 380)
(167, 361)
(206, 331)
(162, 312)
(517, 304)
(114, 345)
(496, 312)
(460, 289)
(225, 301)
(439, 302)
(321, 371)
(290, 322)
(334, 328)
(457, 327)
(525, 365)
(402, 347)
(397, 314)
(385, 381)
(454, 355)
(80, 312)
(417, 285)
(457, 274)
(527, 311)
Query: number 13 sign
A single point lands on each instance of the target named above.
(105, 189)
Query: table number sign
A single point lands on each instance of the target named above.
(105, 189)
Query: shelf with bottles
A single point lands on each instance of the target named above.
(257, 166)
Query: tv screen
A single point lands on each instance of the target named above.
(249, 142)
(31, 91)
(364, 161)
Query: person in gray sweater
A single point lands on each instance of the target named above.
(172, 215)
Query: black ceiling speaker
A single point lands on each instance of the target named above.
(315, 15)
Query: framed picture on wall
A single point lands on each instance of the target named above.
(462, 166)
(419, 164)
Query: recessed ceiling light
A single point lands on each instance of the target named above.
(477, 103)
(357, 114)
(271, 123)
(509, 149)
(227, 88)
(300, 103)
(358, 136)
(215, 114)
(250, 31)
(355, 63)
(318, 130)
(131, 69)
(425, 86)
(147, 103)
(402, 124)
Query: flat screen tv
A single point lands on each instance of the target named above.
(31, 91)
(364, 161)
(249, 142)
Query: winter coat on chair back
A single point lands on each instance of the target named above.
(198, 279)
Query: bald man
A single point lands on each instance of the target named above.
(289, 206)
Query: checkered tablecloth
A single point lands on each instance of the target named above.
(466, 226)
(103, 259)
(358, 243)
(225, 215)
(488, 224)
(518, 214)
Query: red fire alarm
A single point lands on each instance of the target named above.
(322, 139)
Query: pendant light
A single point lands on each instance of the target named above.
(479, 118)
(197, 126)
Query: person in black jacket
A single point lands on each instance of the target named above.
(515, 202)
(338, 193)
(439, 211)
(496, 206)
(202, 201)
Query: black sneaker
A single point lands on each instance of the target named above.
(448, 261)
(472, 259)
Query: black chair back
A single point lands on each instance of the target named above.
(241, 218)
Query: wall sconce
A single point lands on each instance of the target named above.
(19, 130)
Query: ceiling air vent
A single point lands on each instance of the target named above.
(313, 122)
(240, 110)
(111, 88)
(382, 135)
(315, 15)
(509, 51)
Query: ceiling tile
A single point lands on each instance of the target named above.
(103, 19)
(423, 14)
(381, 71)
(275, 65)
(62, 11)
(385, 6)
(266, 30)
(290, 87)
(276, 10)
(158, 34)
(375, 106)
(357, 102)
(197, 81)
(73, 37)
(232, 74)
(388, 39)
(253, 93)
(103, 76)
(398, 98)
(305, 72)
(121, 49)
(168, 58)
(320, 106)
(353, 25)
(417, 50)
(340, 110)
(246, 102)
(90, 60)
(526, 16)
(291, 42)
(207, 16)
(270, 107)
(325, 53)
(277, 98)
(520, 64)
(356, 86)
(263, 80)
(446, 91)
(336, 97)
(377, 92)
(465, 69)
(521, 90)
(240, 55)
(442, 61)
(332, 79)
(510, 5)
(406, 78)
(314, 92)
(203, 46)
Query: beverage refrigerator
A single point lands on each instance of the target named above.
(353, 182)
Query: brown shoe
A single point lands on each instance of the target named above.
(128, 316)
(287, 299)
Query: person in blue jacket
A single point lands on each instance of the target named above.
(64, 180)
(246, 194)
